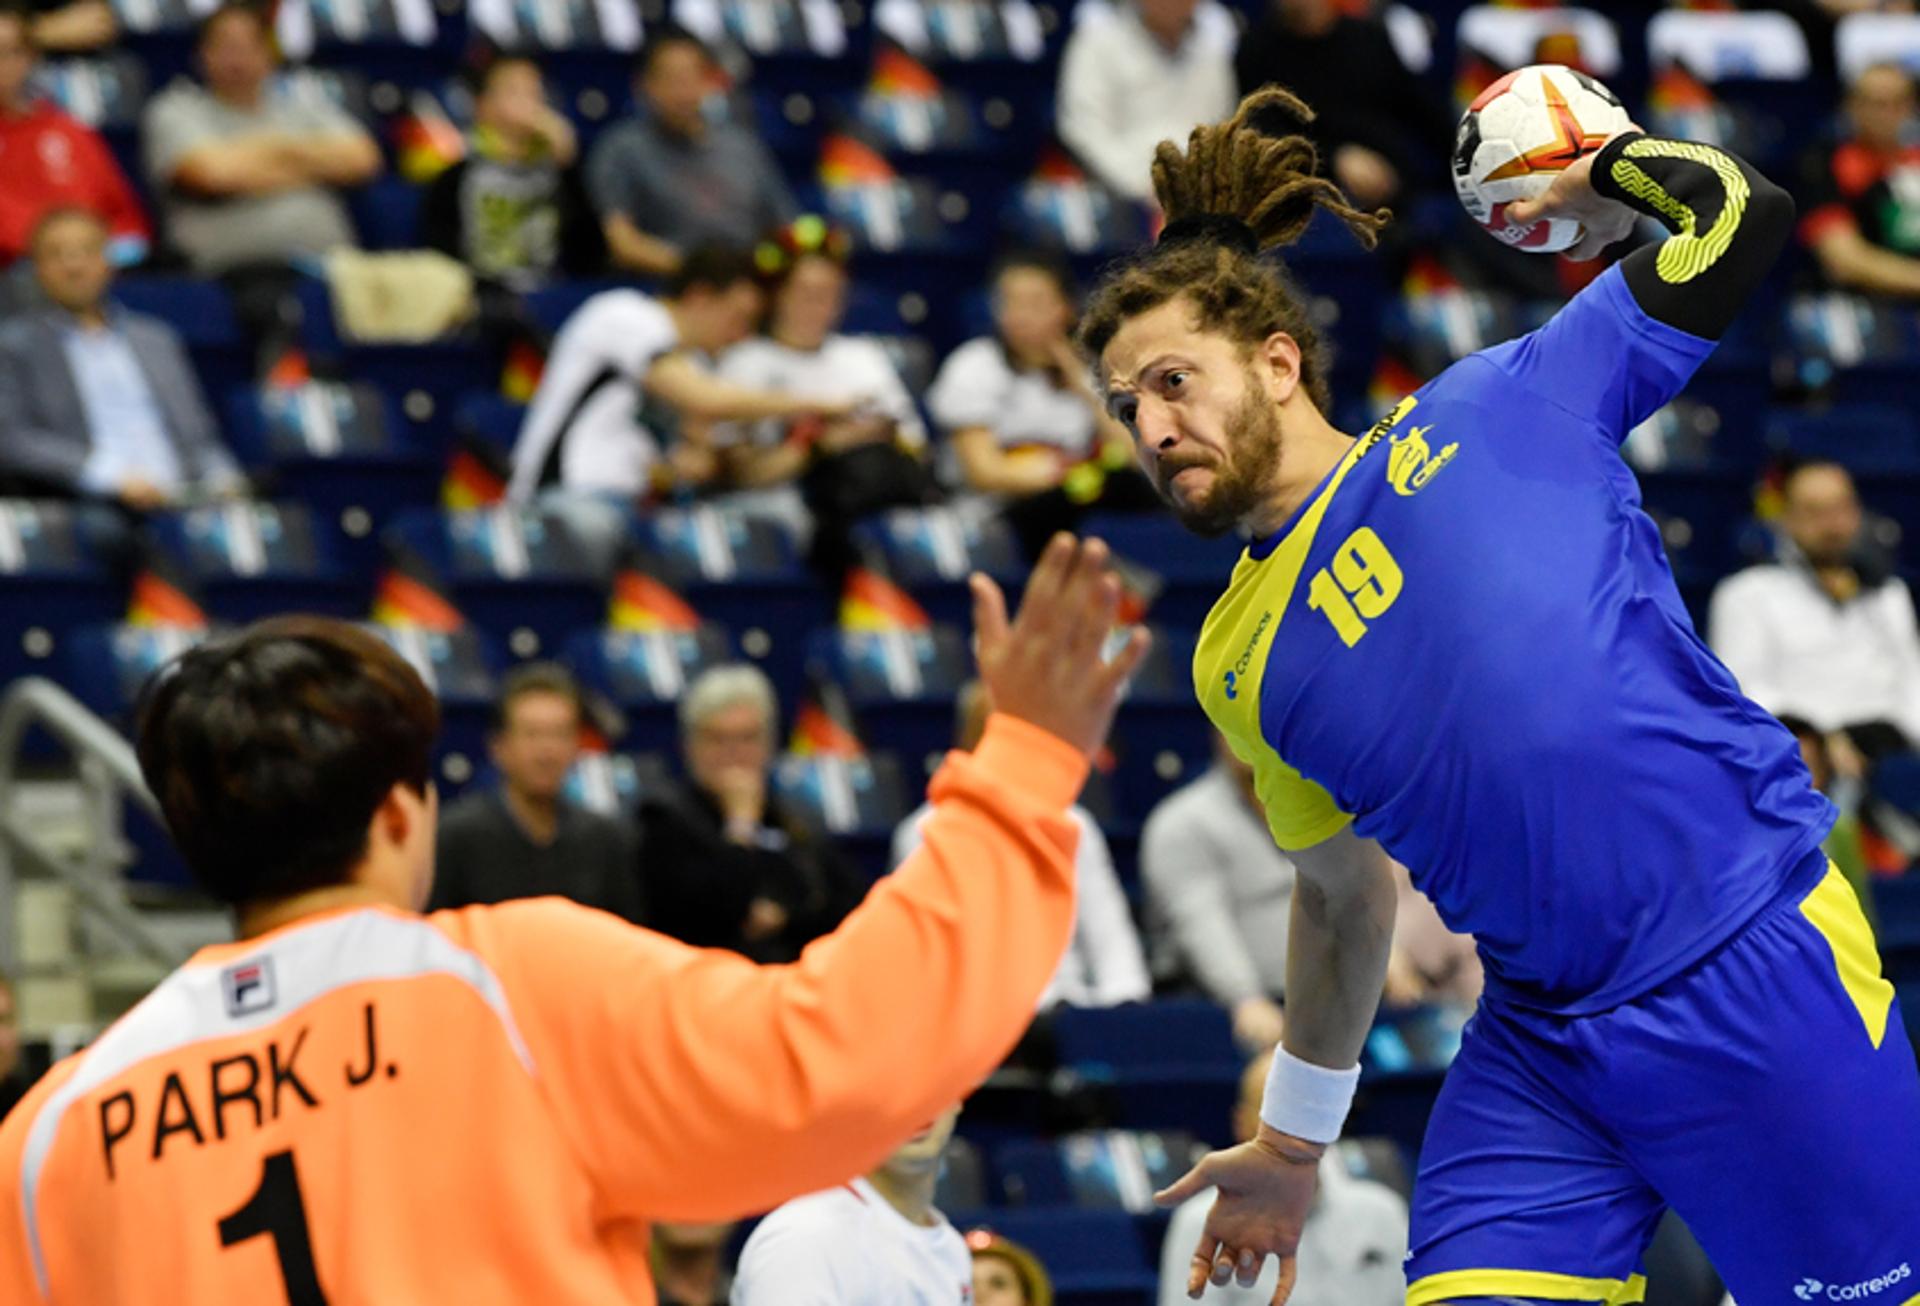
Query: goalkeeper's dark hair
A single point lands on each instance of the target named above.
(1243, 187)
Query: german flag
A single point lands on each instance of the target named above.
(1427, 275)
(425, 141)
(642, 603)
(823, 727)
(871, 602)
(407, 599)
(520, 374)
(1139, 587)
(848, 161)
(162, 598)
(476, 477)
(1393, 380)
(1057, 167)
(898, 74)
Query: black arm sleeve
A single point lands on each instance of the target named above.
(1728, 224)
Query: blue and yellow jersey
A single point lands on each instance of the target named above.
(1467, 643)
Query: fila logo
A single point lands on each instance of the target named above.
(1811, 1289)
(248, 987)
(1411, 462)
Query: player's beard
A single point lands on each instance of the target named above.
(1241, 480)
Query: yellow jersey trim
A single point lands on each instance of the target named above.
(1230, 658)
(1833, 910)
(1457, 1284)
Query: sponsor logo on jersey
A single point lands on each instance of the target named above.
(1245, 660)
(1811, 1289)
(1411, 461)
(249, 987)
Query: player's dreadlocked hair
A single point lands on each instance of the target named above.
(1242, 187)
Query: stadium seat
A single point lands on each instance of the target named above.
(1091, 1256)
(461, 667)
(106, 93)
(1861, 350)
(107, 666)
(931, 551)
(1863, 39)
(513, 570)
(53, 580)
(857, 800)
(251, 560)
(1105, 1169)
(338, 448)
(203, 315)
(963, 1178)
(1863, 437)
(901, 683)
(645, 672)
(1141, 1035)
(744, 572)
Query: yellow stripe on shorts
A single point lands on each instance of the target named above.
(1833, 910)
(1461, 1284)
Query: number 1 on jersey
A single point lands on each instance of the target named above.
(277, 1209)
(1362, 583)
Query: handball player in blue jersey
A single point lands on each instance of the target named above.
(1455, 641)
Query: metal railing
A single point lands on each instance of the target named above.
(108, 775)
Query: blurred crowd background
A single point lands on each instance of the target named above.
(653, 374)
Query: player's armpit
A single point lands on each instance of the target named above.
(699, 1086)
(1728, 223)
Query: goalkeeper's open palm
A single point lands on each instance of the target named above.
(1265, 1188)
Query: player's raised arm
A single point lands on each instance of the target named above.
(700, 1086)
(1628, 343)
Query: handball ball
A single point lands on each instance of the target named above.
(1518, 135)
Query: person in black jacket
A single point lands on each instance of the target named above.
(724, 864)
(515, 209)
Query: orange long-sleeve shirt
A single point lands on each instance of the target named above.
(490, 1105)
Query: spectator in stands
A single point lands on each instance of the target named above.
(97, 401)
(1861, 199)
(1026, 423)
(689, 1266)
(1138, 73)
(821, 477)
(877, 1241)
(1219, 896)
(526, 839)
(1351, 1248)
(586, 444)
(14, 1082)
(515, 208)
(51, 161)
(1007, 1274)
(1379, 128)
(674, 178)
(1429, 964)
(1843, 842)
(1104, 964)
(1828, 631)
(725, 863)
(248, 176)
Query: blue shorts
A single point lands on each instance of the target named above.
(1768, 1094)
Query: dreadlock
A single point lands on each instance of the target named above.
(1243, 186)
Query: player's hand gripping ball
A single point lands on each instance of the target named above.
(1521, 133)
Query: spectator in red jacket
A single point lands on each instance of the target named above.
(51, 161)
(1862, 219)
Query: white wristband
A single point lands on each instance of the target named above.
(1305, 1100)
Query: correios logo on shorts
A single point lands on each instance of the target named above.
(1814, 1290)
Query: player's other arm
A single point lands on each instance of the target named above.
(1339, 939)
(1728, 224)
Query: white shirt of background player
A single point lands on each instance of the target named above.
(877, 1241)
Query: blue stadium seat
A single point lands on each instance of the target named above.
(930, 552)
(1162, 545)
(1105, 1169)
(107, 666)
(901, 683)
(251, 560)
(1091, 1256)
(1138, 1035)
(336, 447)
(403, 42)
(1165, 677)
(550, 306)
(744, 572)
(1863, 350)
(431, 378)
(1896, 902)
(491, 419)
(644, 672)
(616, 783)
(203, 315)
(1863, 437)
(461, 667)
(858, 801)
(1030, 1173)
(102, 92)
(52, 579)
(386, 212)
(1074, 214)
(513, 570)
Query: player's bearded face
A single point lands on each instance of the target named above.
(1242, 474)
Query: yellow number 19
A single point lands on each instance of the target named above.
(1362, 583)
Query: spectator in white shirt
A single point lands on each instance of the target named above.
(1029, 429)
(1351, 1248)
(1138, 73)
(821, 476)
(1827, 632)
(877, 1241)
(1104, 964)
(587, 447)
